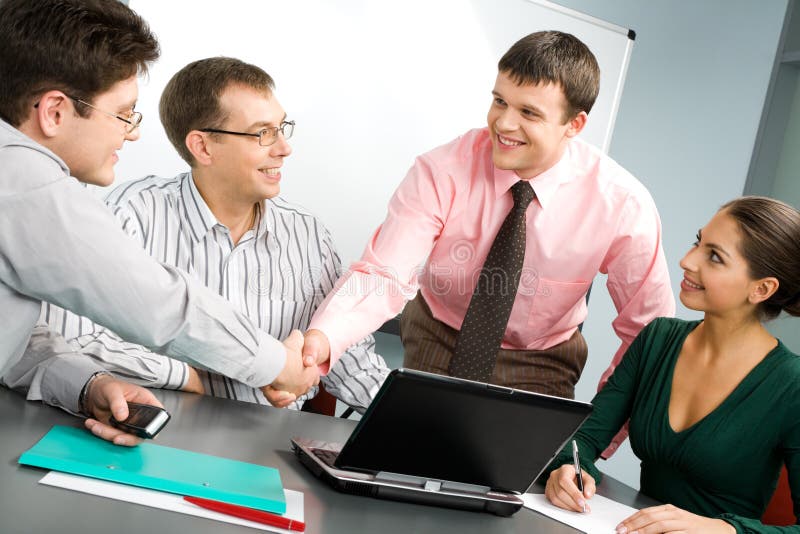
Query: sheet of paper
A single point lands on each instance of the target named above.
(604, 517)
(166, 501)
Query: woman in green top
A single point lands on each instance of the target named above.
(714, 405)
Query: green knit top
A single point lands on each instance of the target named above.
(727, 464)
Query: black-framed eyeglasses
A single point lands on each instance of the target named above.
(266, 136)
(133, 120)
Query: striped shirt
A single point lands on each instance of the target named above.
(277, 275)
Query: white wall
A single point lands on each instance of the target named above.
(370, 85)
(686, 128)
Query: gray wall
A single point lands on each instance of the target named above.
(686, 127)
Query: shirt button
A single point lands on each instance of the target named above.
(54, 402)
(250, 378)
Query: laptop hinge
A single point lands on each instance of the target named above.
(433, 485)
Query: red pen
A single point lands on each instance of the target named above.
(250, 514)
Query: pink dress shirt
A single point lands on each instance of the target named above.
(590, 215)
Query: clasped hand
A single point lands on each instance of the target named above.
(296, 378)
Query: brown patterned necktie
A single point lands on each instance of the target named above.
(487, 316)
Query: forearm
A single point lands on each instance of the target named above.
(361, 301)
(358, 375)
(51, 371)
(131, 362)
(746, 525)
(91, 269)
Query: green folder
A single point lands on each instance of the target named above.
(74, 450)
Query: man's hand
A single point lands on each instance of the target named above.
(107, 395)
(317, 349)
(669, 518)
(194, 384)
(295, 379)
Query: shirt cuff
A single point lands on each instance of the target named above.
(336, 348)
(64, 380)
(268, 364)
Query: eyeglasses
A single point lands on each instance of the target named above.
(266, 136)
(133, 120)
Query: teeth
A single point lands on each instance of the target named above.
(508, 142)
(692, 284)
(271, 172)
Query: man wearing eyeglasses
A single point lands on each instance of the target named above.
(68, 85)
(223, 223)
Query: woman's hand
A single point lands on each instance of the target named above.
(562, 489)
(669, 518)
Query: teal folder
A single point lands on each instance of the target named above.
(74, 450)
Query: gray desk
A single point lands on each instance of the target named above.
(236, 430)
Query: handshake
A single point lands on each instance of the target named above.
(105, 395)
(304, 355)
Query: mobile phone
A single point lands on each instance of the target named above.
(143, 420)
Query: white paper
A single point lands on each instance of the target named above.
(166, 501)
(603, 518)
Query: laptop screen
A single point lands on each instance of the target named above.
(445, 428)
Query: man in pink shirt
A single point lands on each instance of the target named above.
(588, 215)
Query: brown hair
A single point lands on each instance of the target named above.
(558, 58)
(190, 100)
(771, 246)
(80, 47)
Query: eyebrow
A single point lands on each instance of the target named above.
(713, 246)
(261, 124)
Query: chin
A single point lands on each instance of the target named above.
(687, 302)
(501, 163)
(100, 180)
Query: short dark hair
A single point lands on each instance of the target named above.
(81, 47)
(558, 58)
(190, 100)
(771, 246)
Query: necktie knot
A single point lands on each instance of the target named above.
(523, 195)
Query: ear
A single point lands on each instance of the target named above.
(52, 112)
(763, 289)
(576, 124)
(197, 143)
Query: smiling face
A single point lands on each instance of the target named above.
(89, 145)
(716, 276)
(245, 172)
(527, 126)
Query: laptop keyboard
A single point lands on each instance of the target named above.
(328, 457)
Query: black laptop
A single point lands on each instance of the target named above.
(447, 442)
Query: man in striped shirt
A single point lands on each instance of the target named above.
(223, 223)
(67, 105)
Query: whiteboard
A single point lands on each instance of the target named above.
(370, 84)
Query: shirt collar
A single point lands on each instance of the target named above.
(201, 219)
(545, 184)
(263, 222)
(195, 210)
(14, 136)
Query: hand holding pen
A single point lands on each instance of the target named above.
(569, 487)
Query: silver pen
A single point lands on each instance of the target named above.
(579, 477)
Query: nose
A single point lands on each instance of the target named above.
(504, 120)
(688, 262)
(134, 135)
(281, 147)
